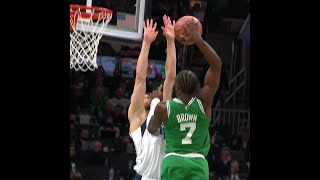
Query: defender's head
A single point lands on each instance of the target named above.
(186, 83)
(147, 101)
(149, 96)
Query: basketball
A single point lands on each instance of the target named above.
(178, 29)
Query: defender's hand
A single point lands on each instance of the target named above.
(150, 32)
(168, 29)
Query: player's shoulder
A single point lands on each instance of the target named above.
(204, 94)
(162, 105)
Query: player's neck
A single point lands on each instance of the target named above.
(185, 98)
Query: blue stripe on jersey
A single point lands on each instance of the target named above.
(143, 127)
(137, 177)
(162, 132)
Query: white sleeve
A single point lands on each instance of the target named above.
(153, 105)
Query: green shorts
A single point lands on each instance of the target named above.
(175, 167)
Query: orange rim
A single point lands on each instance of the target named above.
(97, 12)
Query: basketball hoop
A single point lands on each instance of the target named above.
(86, 27)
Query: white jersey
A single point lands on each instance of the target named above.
(149, 149)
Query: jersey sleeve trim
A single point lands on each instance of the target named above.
(201, 107)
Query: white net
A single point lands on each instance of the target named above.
(85, 36)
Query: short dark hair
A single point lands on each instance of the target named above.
(188, 82)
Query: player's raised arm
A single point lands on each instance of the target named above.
(159, 117)
(136, 107)
(212, 78)
(168, 32)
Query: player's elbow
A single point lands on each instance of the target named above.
(218, 64)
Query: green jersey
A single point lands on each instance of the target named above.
(187, 128)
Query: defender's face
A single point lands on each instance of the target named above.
(176, 89)
(147, 101)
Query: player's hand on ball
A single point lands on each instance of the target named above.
(168, 29)
(193, 34)
(150, 32)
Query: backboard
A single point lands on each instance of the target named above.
(127, 18)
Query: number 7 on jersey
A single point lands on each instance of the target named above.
(192, 126)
